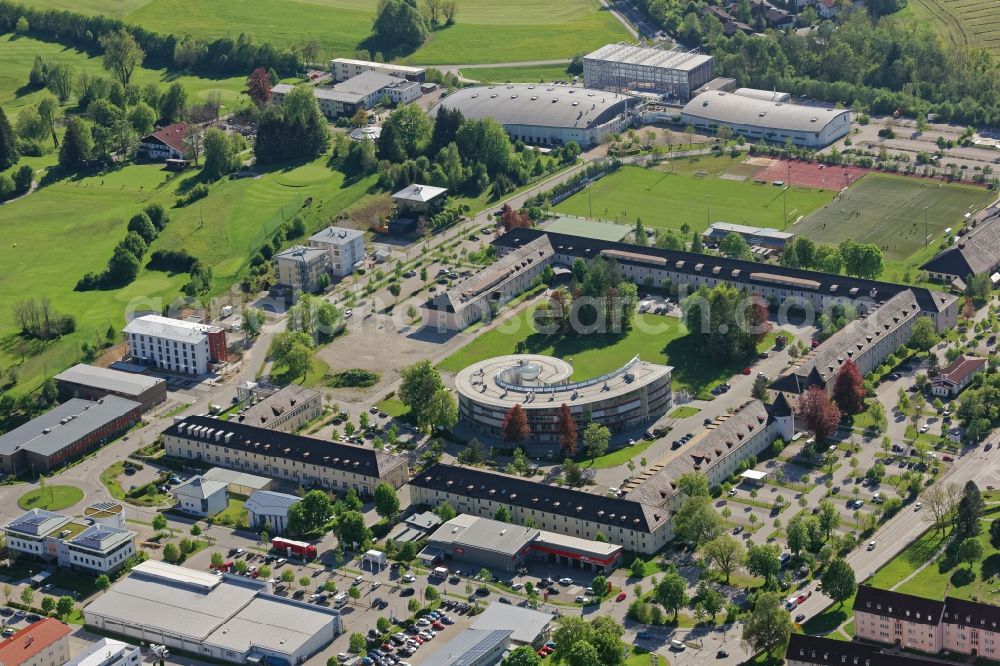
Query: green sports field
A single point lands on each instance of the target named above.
(669, 200)
(486, 31)
(889, 211)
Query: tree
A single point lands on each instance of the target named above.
(970, 510)
(27, 595)
(445, 512)
(724, 553)
(819, 414)
(221, 155)
(502, 514)
(828, 516)
(287, 576)
(759, 389)
(763, 561)
(596, 438)
(64, 606)
(735, 246)
(102, 582)
(142, 117)
(515, 426)
(141, 224)
(399, 26)
(838, 580)
(8, 143)
(172, 554)
(697, 522)
(769, 625)
(995, 533)
(441, 411)
(566, 427)
(671, 592)
(413, 128)
(849, 389)
(924, 334)
(357, 643)
(420, 382)
(524, 655)
(159, 522)
(970, 550)
(122, 54)
(582, 653)
(48, 603)
(351, 529)
(386, 501)
(638, 568)
(941, 501)
(76, 146)
(259, 87)
(640, 233)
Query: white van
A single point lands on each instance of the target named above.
(677, 646)
(340, 600)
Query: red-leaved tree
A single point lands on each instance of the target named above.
(818, 413)
(757, 321)
(568, 434)
(513, 219)
(515, 426)
(259, 87)
(849, 389)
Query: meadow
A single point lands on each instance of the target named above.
(961, 23)
(655, 338)
(70, 227)
(889, 211)
(527, 74)
(17, 55)
(485, 31)
(669, 200)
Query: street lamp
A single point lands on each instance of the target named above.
(925, 226)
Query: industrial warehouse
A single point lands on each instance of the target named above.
(546, 115)
(670, 74)
(484, 542)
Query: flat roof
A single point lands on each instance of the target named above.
(99, 652)
(494, 382)
(302, 253)
(234, 477)
(108, 379)
(336, 235)
(468, 648)
(101, 538)
(742, 229)
(367, 83)
(766, 95)
(273, 623)
(484, 534)
(420, 192)
(170, 329)
(754, 475)
(538, 105)
(525, 624)
(732, 109)
(65, 425)
(328, 94)
(649, 56)
(579, 226)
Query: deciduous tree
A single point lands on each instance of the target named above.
(568, 434)
(769, 625)
(818, 413)
(849, 389)
(122, 54)
(724, 553)
(838, 580)
(515, 426)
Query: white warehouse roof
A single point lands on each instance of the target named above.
(649, 56)
(538, 105)
(170, 329)
(730, 109)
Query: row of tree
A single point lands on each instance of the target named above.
(125, 262)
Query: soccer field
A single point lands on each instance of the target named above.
(889, 211)
(669, 200)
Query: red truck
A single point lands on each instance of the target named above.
(289, 548)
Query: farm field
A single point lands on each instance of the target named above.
(485, 31)
(654, 338)
(529, 74)
(961, 22)
(669, 200)
(70, 227)
(17, 55)
(889, 211)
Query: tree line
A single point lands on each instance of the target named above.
(125, 262)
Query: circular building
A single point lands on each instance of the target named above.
(626, 399)
(110, 514)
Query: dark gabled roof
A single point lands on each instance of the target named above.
(961, 368)
(172, 135)
(746, 273)
(252, 439)
(819, 650)
(533, 495)
(971, 613)
(780, 407)
(976, 252)
(898, 605)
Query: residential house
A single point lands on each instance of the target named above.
(303, 268)
(953, 379)
(201, 497)
(168, 143)
(41, 643)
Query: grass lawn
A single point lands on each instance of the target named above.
(50, 498)
(684, 412)
(223, 230)
(961, 23)
(529, 74)
(945, 573)
(826, 622)
(669, 200)
(485, 31)
(318, 370)
(109, 478)
(891, 213)
(17, 55)
(394, 408)
(233, 515)
(654, 338)
(619, 457)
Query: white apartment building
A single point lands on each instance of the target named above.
(176, 345)
(301, 267)
(346, 68)
(346, 248)
(108, 652)
(69, 542)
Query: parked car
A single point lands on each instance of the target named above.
(565, 581)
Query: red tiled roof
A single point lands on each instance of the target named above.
(173, 136)
(962, 367)
(35, 638)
